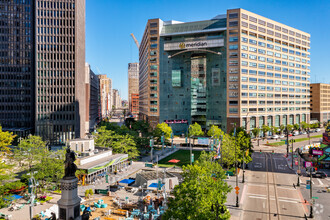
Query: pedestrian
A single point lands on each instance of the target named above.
(294, 185)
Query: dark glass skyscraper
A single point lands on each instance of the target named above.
(16, 66)
(43, 67)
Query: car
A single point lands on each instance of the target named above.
(275, 136)
(295, 133)
(319, 174)
(282, 136)
(317, 130)
(304, 132)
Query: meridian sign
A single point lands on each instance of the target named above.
(193, 44)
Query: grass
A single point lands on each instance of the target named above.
(182, 155)
(280, 143)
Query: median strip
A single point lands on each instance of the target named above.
(280, 143)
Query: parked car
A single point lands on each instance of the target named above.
(275, 136)
(282, 136)
(317, 130)
(295, 133)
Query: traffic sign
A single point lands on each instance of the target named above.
(192, 158)
(237, 192)
(237, 188)
(308, 186)
(315, 197)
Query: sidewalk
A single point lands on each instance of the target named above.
(235, 212)
(161, 154)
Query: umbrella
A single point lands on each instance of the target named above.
(12, 197)
(174, 161)
(155, 185)
(127, 181)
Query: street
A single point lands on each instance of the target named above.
(269, 192)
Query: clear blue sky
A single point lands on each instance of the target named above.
(109, 46)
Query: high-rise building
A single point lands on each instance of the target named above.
(320, 102)
(17, 109)
(237, 68)
(116, 99)
(60, 69)
(149, 72)
(92, 116)
(133, 88)
(43, 68)
(105, 95)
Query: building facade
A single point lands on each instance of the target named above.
(133, 88)
(320, 102)
(17, 59)
(43, 68)
(105, 95)
(60, 70)
(268, 72)
(149, 73)
(237, 68)
(116, 99)
(92, 100)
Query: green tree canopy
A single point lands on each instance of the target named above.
(6, 138)
(195, 130)
(304, 125)
(118, 143)
(296, 127)
(265, 129)
(31, 149)
(256, 132)
(202, 194)
(282, 128)
(161, 129)
(215, 132)
(289, 128)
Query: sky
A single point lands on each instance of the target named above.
(109, 23)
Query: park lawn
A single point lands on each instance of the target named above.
(280, 143)
(182, 155)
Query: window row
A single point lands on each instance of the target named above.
(277, 75)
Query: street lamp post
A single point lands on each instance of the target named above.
(292, 154)
(243, 180)
(237, 205)
(190, 150)
(287, 141)
(298, 183)
(311, 194)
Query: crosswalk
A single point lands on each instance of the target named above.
(317, 182)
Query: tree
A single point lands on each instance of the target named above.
(31, 149)
(162, 129)
(256, 132)
(273, 129)
(265, 129)
(119, 143)
(304, 125)
(296, 127)
(215, 132)
(50, 168)
(202, 194)
(6, 138)
(289, 128)
(282, 127)
(195, 130)
(5, 173)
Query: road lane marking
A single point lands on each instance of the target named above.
(287, 198)
(285, 188)
(257, 197)
(320, 182)
(243, 194)
(282, 200)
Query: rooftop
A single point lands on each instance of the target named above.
(101, 161)
(152, 175)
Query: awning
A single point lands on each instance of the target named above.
(155, 185)
(127, 181)
(12, 197)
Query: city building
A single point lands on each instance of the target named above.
(116, 99)
(237, 68)
(92, 100)
(320, 102)
(134, 105)
(133, 88)
(17, 67)
(42, 69)
(105, 95)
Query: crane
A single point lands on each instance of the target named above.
(135, 40)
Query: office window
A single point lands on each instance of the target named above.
(176, 78)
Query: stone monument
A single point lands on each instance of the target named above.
(69, 204)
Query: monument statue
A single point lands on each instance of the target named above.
(70, 166)
(69, 204)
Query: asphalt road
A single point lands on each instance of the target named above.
(269, 192)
